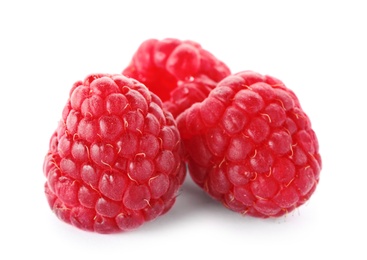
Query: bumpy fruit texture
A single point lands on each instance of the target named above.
(251, 146)
(115, 160)
(179, 72)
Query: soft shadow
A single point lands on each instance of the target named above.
(193, 199)
(190, 202)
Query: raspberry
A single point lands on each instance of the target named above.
(179, 72)
(115, 159)
(250, 146)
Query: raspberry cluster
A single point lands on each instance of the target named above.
(120, 152)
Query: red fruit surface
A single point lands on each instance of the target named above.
(250, 145)
(115, 159)
(179, 72)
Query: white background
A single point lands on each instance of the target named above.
(318, 49)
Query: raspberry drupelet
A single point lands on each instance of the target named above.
(251, 146)
(180, 72)
(115, 159)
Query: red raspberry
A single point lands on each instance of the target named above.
(115, 160)
(168, 64)
(251, 146)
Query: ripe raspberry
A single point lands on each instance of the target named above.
(251, 146)
(168, 64)
(115, 160)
